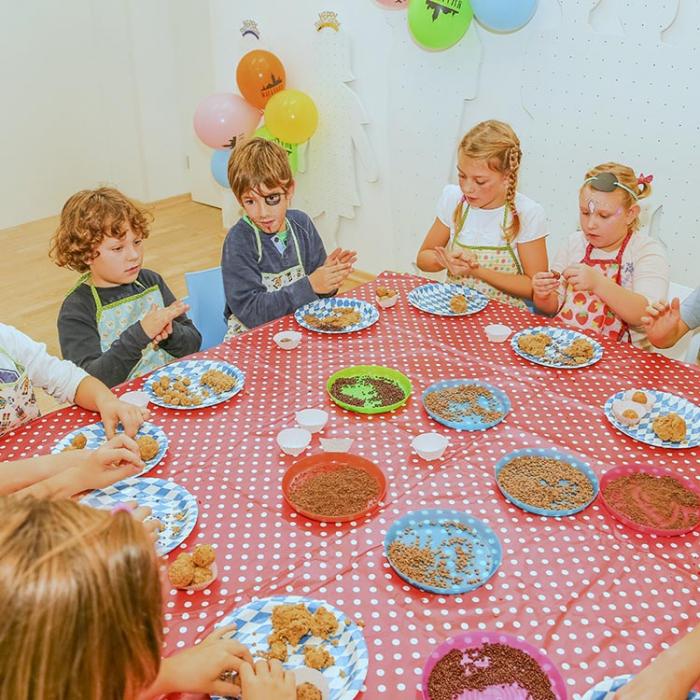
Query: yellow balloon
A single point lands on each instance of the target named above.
(291, 116)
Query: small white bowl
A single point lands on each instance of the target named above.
(293, 441)
(304, 674)
(287, 340)
(387, 302)
(430, 446)
(497, 332)
(336, 444)
(312, 419)
(136, 398)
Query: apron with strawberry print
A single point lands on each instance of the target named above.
(587, 311)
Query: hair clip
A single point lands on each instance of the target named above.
(122, 506)
(644, 179)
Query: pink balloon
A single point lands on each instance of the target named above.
(393, 4)
(222, 117)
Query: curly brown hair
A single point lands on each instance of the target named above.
(89, 217)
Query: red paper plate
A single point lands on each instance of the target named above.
(326, 462)
(619, 472)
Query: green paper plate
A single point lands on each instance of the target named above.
(366, 391)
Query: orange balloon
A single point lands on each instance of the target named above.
(260, 74)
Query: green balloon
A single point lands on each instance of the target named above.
(439, 24)
(291, 148)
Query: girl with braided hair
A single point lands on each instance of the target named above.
(486, 234)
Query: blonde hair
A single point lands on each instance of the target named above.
(256, 162)
(89, 217)
(80, 601)
(496, 143)
(626, 176)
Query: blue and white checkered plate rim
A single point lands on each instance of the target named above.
(426, 525)
(434, 298)
(324, 307)
(193, 370)
(663, 403)
(605, 689)
(174, 506)
(561, 338)
(254, 625)
(95, 434)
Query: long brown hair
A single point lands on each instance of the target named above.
(496, 143)
(80, 603)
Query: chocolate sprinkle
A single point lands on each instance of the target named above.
(367, 391)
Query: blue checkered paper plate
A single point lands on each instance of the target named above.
(555, 354)
(575, 462)
(663, 403)
(605, 689)
(95, 434)
(435, 298)
(322, 308)
(498, 401)
(439, 529)
(193, 370)
(174, 506)
(254, 625)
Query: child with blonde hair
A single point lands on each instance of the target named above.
(81, 605)
(273, 260)
(119, 321)
(606, 274)
(486, 234)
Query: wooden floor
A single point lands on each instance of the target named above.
(184, 236)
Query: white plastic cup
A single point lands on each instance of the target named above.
(136, 398)
(387, 302)
(293, 441)
(430, 446)
(497, 332)
(287, 340)
(312, 419)
(336, 444)
(304, 674)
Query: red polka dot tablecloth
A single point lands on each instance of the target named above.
(598, 598)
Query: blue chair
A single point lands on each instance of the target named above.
(207, 303)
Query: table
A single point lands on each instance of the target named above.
(598, 598)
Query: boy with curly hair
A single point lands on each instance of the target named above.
(120, 320)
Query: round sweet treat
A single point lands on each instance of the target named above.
(640, 397)
(203, 555)
(670, 427)
(628, 412)
(181, 571)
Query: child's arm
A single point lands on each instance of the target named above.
(545, 292)
(672, 674)
(80, 340)
(266, 681)
(663, 324)
(437, 237)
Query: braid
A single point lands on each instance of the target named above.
(513, 157)
(457, 216)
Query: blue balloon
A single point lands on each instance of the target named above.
(219, 166)
(504, 15)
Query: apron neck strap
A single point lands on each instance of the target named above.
(258, 241)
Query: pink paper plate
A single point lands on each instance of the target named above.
(618, 472)
(474, 640)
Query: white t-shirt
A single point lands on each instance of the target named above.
(483, 227)
(645, 269)
(60, 378)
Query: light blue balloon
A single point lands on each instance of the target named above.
(504, 15)
(219, 166)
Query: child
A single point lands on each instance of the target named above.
(666, 324)
(608, 272)
(273, 259)
(489, 236)
(119, 321)
(80, 599)
(25, 364)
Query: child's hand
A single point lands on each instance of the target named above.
(341, 256)
(267, 681)
(652, 683)
(582, 277)
(662, 323)
(544, 284)
(198, 669)
(113, 411)
(328, 278)
(459, 263)
(157, 320)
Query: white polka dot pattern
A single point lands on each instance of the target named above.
(599, 598)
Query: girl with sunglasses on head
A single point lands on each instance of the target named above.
(605, 275)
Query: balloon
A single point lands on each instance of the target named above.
(219, 166)
(291, 116)
(393, 4)
(260, 74)
(222, 117)
(438, 24)
(504, 15)
(291, 148)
